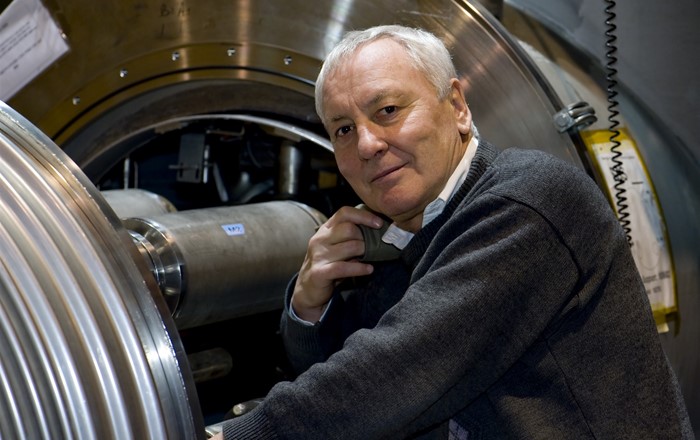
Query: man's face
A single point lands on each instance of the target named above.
(394, 141)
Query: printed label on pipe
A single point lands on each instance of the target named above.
(234, 229)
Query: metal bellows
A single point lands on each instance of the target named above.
(85, 348)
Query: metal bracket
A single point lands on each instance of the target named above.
(193, 161)
(576, 116)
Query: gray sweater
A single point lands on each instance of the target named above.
(517, 313)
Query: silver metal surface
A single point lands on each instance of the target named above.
(136, 202)
(291, 166)
(85, 352)
(576, 116)
(222, 263)
(254, 58)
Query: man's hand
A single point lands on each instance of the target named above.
(331, 256)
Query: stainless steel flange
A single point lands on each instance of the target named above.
(87, 346)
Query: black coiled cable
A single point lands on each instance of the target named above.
(616, 169)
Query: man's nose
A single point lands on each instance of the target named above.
(370, 142)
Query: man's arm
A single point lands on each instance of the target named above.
(460, 326)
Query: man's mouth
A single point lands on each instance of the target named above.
(385, 173)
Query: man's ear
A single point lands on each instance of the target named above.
(463, 115)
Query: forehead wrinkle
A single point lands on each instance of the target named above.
(378, 97)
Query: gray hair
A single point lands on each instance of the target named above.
(428, 52)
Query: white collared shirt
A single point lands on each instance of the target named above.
(400, 238)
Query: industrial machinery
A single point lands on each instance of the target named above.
(162, 175)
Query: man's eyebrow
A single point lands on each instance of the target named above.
(369, 103)
(377, 98)
(336, 118)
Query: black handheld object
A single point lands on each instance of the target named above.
(375, 248)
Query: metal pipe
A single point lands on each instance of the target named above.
(221, 263)
(137, 202)
(291, 161)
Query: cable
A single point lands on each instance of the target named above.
(618, 173)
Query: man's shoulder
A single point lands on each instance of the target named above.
(543, 181)
(525, 158)
(538, 169)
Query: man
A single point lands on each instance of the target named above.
(514, 309)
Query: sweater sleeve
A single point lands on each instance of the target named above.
(497, 276)
(306, 344)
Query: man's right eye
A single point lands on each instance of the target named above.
(342, 131)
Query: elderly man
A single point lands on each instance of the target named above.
(513, 308)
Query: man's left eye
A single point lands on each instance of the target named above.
(389, 109)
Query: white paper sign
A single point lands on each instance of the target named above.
(30, 41)
(647, 228)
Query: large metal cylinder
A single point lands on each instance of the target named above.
(84, 350)
(222, 263)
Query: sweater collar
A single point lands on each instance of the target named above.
(483, 158)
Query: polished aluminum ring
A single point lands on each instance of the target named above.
(85, 351)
